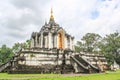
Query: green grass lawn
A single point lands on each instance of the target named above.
(102, 76)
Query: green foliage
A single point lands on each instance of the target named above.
(27, 44)
(89, 43)
(5, 54)
(79, 46)
(109, 46)
(16, 47)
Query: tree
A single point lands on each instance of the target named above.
(79, 46)
(26, 44)
(90, 42)
(110, 47)
(16, 47)
(5, 54)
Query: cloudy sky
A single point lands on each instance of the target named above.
(19, 18)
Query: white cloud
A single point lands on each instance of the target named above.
(19, 18)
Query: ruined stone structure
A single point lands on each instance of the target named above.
(48, 45)
(52, 51)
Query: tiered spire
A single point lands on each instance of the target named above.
(51, 16)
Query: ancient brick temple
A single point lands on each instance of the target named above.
(52, 51)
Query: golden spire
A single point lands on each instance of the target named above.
(51, 17)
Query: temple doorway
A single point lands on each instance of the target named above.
(60, 41)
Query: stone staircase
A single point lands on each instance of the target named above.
(8, 65)
(82, 65)
(5, 65)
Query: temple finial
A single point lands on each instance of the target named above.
(51, 16)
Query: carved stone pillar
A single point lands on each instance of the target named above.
(55, 40)
(57, 45)
(45, 41)
(66, 43)
(41, 40)
(32, 42)
(36, 40)
(50, 40)
(47, 37)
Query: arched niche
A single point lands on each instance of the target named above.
(61, 35)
